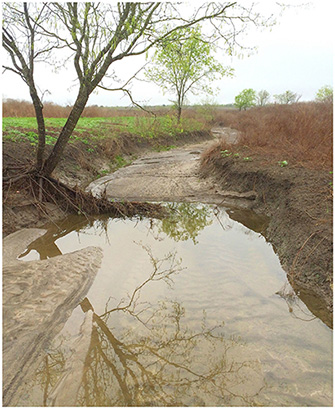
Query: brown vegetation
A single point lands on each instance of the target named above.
(300, 133)
(20, 108)
(24, 109)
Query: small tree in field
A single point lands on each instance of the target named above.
(183, 64)
(262, 98)
(245, 99)
(288, 97)
(325, 94)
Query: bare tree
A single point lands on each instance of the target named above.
(287, 97)
(262, 98)
(96, 35)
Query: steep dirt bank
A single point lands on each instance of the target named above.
(299, 202)
(81, 164)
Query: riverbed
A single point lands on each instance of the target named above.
(193, 309)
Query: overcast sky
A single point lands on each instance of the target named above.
(297, 55)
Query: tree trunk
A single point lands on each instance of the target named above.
(41, 130)
(38, 107)
(178, 114)
(56, 154)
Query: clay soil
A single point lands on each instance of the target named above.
(299, 202)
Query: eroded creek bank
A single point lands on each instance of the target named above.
(299, 202)
(38, 305)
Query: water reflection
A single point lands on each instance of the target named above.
(50, 371)
(185, 221)
(316, 309)
(46, 246)
(164, 343)
(294, 305)
(251, 220)
(162, 368)
(153, 359)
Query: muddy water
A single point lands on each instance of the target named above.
(191, 310)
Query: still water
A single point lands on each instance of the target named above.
(191, 310)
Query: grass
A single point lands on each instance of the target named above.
(30, 122)
(165, 148)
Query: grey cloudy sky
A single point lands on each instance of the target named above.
(297, 55)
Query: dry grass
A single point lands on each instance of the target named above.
(16, 108)
(20, 109)
(301, 133)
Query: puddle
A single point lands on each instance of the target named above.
(192, 310)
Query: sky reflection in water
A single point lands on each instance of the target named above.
(191, 310)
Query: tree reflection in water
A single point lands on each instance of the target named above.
(46, 246)
(185, 221)
(154, 358)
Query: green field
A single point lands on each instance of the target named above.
(87, 123)
(90, 129)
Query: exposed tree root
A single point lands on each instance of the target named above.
(74, 200)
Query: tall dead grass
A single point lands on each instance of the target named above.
(301, 132)
(19, 108)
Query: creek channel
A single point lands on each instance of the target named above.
(190, 310)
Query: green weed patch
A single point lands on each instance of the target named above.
(89, 130)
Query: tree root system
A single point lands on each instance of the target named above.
(45, 190)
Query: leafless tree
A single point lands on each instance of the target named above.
(287, 97)
(262, 98)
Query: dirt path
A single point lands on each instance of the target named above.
(288, 195)
(166, 176)
(170, 176)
